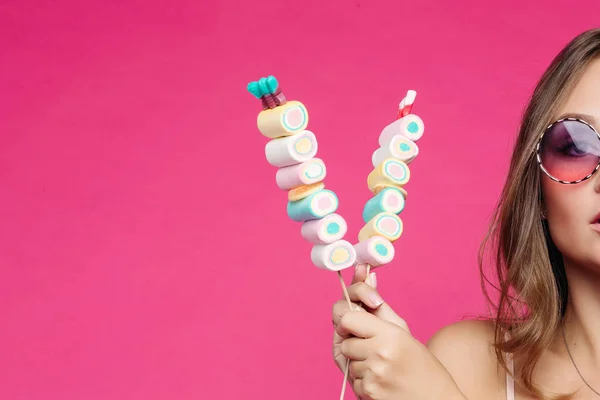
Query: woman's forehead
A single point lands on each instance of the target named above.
(585, 96)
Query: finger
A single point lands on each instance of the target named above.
(355, 348)
(340, 308)
(359, 324)
(358, 369)
(351, 380)
(362, 292)
(335, 349)
(357, 388)
(360, 273)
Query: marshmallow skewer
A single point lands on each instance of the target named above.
(386, 181)
(391, 172)
(292, 149)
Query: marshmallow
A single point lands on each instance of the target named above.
(410, 126)
(285, 120)
(375, 251)
(333, 257)
(306, 173)
(390, 172)
(304, 191)
(326, 230)
(385, 224)
(290, 150)
(399, 147)
(315, 206)
(389, 199)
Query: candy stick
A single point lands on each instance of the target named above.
(391, 172)
(292, 149)
(347, 367)
(406, 104)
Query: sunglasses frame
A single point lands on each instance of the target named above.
(539, 157)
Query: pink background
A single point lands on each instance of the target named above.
(145, 252)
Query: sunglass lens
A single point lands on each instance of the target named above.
(570, 150)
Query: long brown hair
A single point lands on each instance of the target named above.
(532, 290)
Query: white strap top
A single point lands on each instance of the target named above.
(510, 383)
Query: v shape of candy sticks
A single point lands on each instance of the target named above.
(292, 150)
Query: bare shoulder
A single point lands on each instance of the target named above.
(466, 350)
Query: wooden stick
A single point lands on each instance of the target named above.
(345, 379)
(345, 290)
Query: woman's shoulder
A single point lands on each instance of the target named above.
(471, 331)
(466, 349)
(468, 342)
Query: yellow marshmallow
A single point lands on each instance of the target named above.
(390, 172)
(285, 120)
(385, 224)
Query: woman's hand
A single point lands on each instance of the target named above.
(386, 362)
(361, 291)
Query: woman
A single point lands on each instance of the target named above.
(543, 340)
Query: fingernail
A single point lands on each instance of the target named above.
(375, 299)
